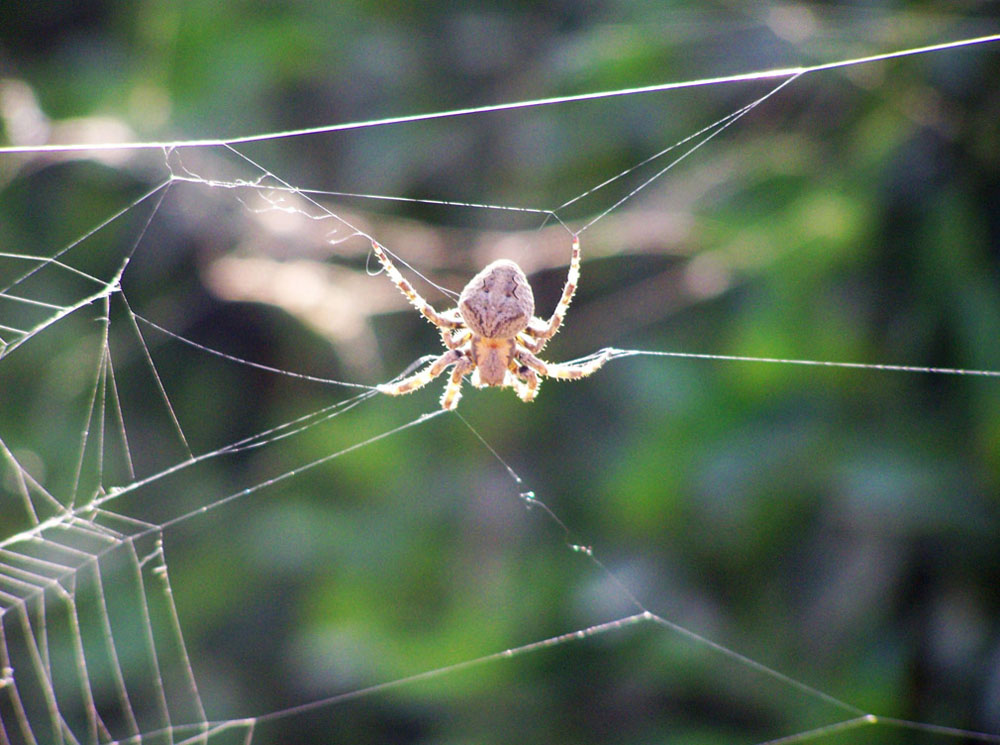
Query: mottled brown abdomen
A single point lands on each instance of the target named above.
(497, 303)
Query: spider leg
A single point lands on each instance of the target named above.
(454, 339)
(528, 342)
(526, 382)
(441, 320)
(423, 377)
(545, 330)
(570, 371)
(453, 392)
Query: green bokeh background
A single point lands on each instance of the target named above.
(839, 526)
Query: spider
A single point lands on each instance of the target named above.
(493, 333)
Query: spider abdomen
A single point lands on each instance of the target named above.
(497, 303)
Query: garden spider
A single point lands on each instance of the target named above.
(493, 333)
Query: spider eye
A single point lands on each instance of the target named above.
(523, 369)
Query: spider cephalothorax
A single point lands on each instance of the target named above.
(493, 334)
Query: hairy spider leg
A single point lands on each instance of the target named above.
(454, 338)
(441, 320)
(566, 371)
(423, 377)
(453, 391)
(541, 330)
(526, 383)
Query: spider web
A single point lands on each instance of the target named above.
(93, 647)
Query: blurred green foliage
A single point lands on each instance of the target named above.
(839, 526)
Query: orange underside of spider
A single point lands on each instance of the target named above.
(492, 335)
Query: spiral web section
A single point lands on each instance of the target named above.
(88, 599)
(92, 646)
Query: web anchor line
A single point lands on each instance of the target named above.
(860, 718)
(882, 367)
(786, 72)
